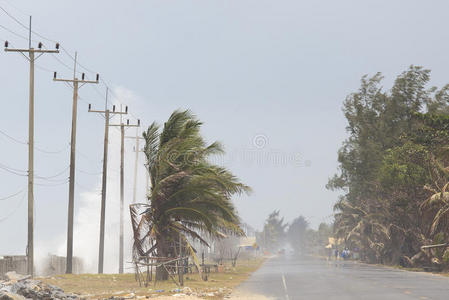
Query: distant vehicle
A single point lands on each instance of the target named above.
(281, 252)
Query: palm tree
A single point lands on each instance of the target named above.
(362, 228)
(190, 197)
(437, 205)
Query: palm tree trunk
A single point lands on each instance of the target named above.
(162, 251)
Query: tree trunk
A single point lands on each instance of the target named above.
(162, 251)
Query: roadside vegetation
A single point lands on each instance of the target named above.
(394, 171)
(103, 286)
(303, 240)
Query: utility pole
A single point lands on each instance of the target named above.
(122, 190)
(76, 85)
(107, 114)
(31, 58)
(137, 150)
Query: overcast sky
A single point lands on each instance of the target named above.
(268, 79)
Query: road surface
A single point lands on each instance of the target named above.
(312, 279)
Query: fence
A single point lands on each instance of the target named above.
(52, 265)
(12, 263)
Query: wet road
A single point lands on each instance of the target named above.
(293, 278)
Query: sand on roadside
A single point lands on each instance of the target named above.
(237, 295)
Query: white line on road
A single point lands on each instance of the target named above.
(285, 287)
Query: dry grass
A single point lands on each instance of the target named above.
(94, 286)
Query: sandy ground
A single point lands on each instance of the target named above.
(234, 296)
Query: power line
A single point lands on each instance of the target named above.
(14, 18)
(59, 60)
(13, 139)
(52, 152)
(51, 185)
(14, 211)
(8, 168)
(16, 8)
(11, 196)
(37, 148)
(13, 32)
(89, 173)
(53, 176)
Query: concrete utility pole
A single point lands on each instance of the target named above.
(122, 189)
(76, 85)
(137, 150)
(31, 58)
(107, 113)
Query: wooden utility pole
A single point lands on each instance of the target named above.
(122, 189)
(107, 113)
(136, 163)
(31, 58)
(76, 85)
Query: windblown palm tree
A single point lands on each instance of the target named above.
(362, 228)
(438, 206)
(190, 197)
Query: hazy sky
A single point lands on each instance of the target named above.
(268, 79)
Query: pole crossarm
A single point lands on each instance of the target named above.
(103, 111)
(111, 112)
(126, 125)
(31, 50)
(76, 80)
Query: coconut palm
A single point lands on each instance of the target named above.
(190, 197)
(437, 205)
(362, 228)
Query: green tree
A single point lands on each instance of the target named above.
(190, 197)
(273, 234)
(396, 141)
(297, 234)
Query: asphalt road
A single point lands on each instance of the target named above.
(293, 278)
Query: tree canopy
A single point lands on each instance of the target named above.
(392, 167)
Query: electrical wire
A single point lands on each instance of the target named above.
(53, 176)
(13, 139)
(14, 18)
(59, 60)
(89, 173)
(7, 168)
(43, 68)
(16, 8)
(52, 185)
(15, 210)
(13, 32)
(11, 196)
(35, 147)
(52, 152)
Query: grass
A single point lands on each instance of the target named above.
(95, 286)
